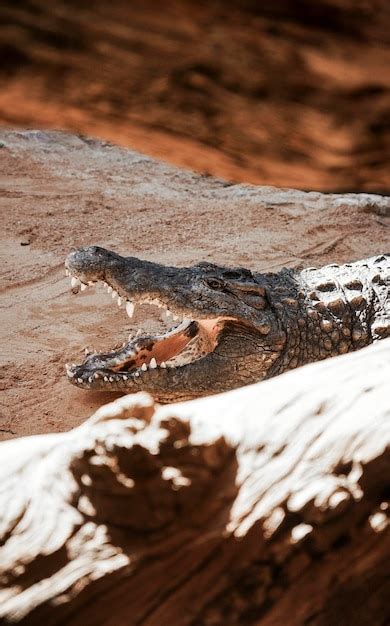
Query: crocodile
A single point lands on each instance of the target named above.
(231, 326)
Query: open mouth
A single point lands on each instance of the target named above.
(185, 341)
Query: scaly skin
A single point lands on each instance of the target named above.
(253, 325)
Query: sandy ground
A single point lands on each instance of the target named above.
(60, 191)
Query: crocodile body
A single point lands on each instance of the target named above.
(239, 326)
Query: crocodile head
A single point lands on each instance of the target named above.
(226, 333)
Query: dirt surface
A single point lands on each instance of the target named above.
(293, 94)
(61, 191)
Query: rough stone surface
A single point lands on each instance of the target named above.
(262, 506)
(61, 191)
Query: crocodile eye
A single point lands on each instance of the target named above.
(214, 283)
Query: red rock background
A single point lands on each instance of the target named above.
(285, 93)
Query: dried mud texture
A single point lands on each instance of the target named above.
(265, 505)
(293, 94)
(61, 191)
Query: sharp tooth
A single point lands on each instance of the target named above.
(105, 379)
(114, 295)
(111, 379)
(163, 364)
(119, 301)
(138, 333)
(67, 272)
(144, 367)
(83, 287)
(86, 351)
(70, 374)
(153, 363)
(74, 282)
(96, 375)
(130, 309)
(80, 380)
(90, 379)
(109, 289)
(67, 366)
(125, 377)
(136, 374)
(105, 284)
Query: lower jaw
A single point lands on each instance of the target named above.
(132, 367)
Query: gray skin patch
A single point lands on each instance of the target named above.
(234, 326)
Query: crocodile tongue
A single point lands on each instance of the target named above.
(155, 350)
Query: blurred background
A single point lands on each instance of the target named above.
(293, 93)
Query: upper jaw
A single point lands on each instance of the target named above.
(133, 281)
(115, 275)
